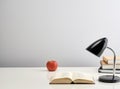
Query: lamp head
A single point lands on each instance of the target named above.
(98, 47)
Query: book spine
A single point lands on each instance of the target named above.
(110, 66)
(111, 62)
(105, 60)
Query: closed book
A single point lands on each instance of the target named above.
(100, 70)
(109, 59)
(108, 66)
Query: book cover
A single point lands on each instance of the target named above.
(100, 70)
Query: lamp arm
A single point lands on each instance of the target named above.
(114, 61)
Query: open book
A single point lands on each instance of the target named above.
(71, 78)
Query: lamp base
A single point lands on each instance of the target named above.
(109, 79)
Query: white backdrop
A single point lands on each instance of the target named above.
(34, 31)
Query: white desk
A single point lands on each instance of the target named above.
(37, 78)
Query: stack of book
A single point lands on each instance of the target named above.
(107, 64)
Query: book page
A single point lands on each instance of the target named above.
(61, 77)
(78, 77)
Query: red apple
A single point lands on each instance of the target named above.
(51, 65)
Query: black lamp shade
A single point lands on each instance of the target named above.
(98, 47)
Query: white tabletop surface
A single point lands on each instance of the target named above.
(38, 78)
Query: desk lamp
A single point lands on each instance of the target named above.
(97, 48)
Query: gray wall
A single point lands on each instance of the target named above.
(34, 31)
